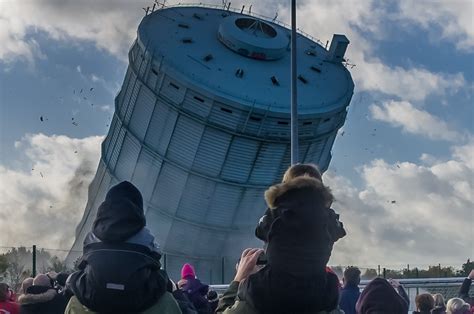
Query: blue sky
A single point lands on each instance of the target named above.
(408, 136)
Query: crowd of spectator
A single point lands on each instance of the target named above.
(120, 270)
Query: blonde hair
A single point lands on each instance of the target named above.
(298, 170)
(456, 306)
(439, 299)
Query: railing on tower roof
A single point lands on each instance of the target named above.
(236, 10)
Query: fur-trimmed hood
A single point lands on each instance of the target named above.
(33, 298)
(315, 186)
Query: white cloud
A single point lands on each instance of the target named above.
(413, 84)
(412, 120)
(408, 213)
(95, 78)
(325, 18)
(109, 26)
(454, 18)
(43, 204)
(107, 108)
(111, 87)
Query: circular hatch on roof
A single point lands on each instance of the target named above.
(253, 38)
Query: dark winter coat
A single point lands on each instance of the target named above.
(300, 230)
(349, 296)
(439, 310)
(115, 276)
(197, 292)
(41, 300)
(299, 226)
(185, 305)
(401, 292)
(278, 292)
(213, 299)
(380, 297)
(464, 290)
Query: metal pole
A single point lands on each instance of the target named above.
(34, 261)
(294, 103)
(223, 270)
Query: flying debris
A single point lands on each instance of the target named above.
(394, 202)
(41, 174)
(398, 166)
(74, 91)
(92, 105)
(343, 132)
(75, 123)
(50, 206)
(41, 118)
(75, 152)
(92, 88)
(80, 91)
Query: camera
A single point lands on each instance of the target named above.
(262, 259)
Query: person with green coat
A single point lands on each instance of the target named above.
(166, 304)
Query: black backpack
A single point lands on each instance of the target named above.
(118, 278)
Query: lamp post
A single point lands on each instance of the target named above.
(294, 103)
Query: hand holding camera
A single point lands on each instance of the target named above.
(248, 264)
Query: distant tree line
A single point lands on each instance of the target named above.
(15, 265)
(433, 271)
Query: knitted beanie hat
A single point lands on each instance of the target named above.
(187, 272)
(42, 280)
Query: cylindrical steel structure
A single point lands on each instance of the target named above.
(202, 128)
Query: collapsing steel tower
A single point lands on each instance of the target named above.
(202, 128)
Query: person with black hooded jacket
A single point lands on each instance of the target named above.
(379, 296)
(299, 229)
(119, 271)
